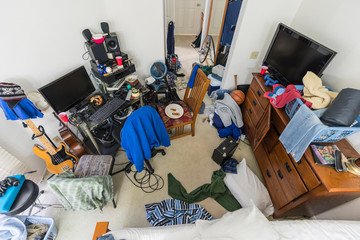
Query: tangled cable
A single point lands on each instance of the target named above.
(148, 182)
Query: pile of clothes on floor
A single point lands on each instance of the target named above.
(233, 186)
(225, 114)
(14, 228)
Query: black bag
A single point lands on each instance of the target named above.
(344, 109)
(225, 150)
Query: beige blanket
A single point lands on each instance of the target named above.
(315, 92)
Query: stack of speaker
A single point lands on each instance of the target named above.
(105, 53)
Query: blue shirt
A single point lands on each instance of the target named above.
(143, 130)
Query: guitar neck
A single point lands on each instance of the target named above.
(49, 147)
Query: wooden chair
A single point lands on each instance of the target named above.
(192, 99)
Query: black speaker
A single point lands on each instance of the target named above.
(105, 27)
(87, 34)
(97, 52)
(112, 44)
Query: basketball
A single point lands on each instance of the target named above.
(238, 96)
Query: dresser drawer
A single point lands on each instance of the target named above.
(249, 128)
(254, 102)
(262, 127)
(254, 113)
(259, 94)
(276, 193)
(277, 122)
(271, 139)
(286, 173)
(307, 174)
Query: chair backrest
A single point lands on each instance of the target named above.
(194, 96)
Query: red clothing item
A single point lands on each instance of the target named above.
(290, 94)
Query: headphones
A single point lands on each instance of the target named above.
(6, 183)
(97, 100)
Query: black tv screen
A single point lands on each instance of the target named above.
(69, 90)
(291, 54)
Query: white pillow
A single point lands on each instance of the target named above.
(246, 187)
(245, 223)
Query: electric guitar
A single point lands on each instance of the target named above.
(57, 160)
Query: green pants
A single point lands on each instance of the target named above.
(216, 190)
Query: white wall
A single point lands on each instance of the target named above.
(254, 30)
(41, 40)
(335, 27)
(334, 24)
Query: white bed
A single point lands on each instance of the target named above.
(246, 223)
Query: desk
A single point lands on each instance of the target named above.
(99, 129)
(296, 189)
(101, 126)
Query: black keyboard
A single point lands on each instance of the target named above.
(106, 110)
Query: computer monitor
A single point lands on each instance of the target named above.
(69, 90)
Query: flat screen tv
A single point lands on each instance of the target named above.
(291, 54)
(69, 90)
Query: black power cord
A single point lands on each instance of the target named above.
(148, 182)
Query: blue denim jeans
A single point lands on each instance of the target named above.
(106, 237)
(300, 132)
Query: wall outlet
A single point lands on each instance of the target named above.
(254, 55)
(56, 139)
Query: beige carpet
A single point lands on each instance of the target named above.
(188, 159)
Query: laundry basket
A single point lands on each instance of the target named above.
(52, 231)
(329, 134)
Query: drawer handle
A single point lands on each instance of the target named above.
(288, 168)
(250, 111)
(247, 125)
(258, 93)
(280, 174)
(259, 139)
(268, 173)
(254, 102)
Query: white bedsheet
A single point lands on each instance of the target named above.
(294, 230)
(247, 223)
(178, 232)
(317, 229)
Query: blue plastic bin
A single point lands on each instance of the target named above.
(328, 135)
(214, 84)
(52, 231)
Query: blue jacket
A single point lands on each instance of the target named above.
(143, 130)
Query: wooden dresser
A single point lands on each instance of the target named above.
(296, 189)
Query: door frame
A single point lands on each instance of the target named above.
(221, 30)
